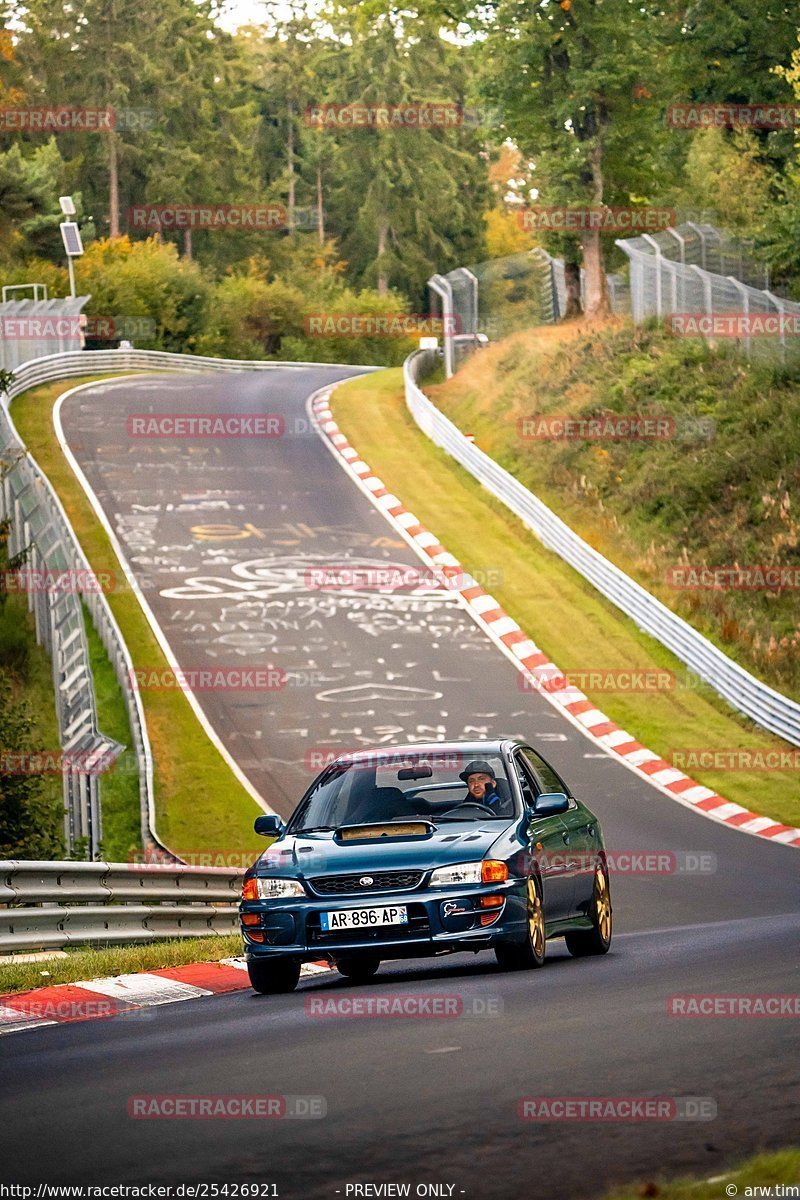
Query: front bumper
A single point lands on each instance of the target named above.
(440, 920)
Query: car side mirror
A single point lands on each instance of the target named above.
(269, 825)
(549, 804)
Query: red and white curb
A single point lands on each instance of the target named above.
(100, 999)
(544, 675)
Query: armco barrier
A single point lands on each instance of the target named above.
(41, 523)
(50, 905)
(768, 708)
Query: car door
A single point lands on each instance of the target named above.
(581, 840)
(548, 845)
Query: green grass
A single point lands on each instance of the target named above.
(730, 498)
(119, 787)
(763, 1171)
(118, 960)
(551, 602)
(200, 805)
(31, 679)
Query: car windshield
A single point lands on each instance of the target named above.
(395, 786)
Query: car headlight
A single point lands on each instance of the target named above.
(459, 873)
(272, 889)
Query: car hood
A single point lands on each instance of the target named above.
(323, 853)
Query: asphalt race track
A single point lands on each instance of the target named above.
(224, 537)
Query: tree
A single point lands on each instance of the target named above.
(406, 201)
(569, 78)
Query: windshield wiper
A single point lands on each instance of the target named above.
(312, 829)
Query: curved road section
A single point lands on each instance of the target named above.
(260, 552)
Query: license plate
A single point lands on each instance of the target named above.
(363, 918)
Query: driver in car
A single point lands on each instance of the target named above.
(482, 787)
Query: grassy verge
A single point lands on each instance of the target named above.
(718, 488)
(118, 960)
(559, 610)
(27, 670)
(200, 805)
(763, 1171)
(119, 786)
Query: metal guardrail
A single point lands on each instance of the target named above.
(33, 327)
(766, 707)
(51, 905)
(39, 521)
(39, 525)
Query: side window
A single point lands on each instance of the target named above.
(545, 776)
(525, 781)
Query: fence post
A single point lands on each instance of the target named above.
(702, 236)
(781, 307)
(681, 240)
(444, 290)
(744, 293)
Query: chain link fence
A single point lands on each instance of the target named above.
(700, 281)
(56, 570)
(704, 284)
(31, 328)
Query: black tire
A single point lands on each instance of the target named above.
(358, 967)
(522, 956)
(271, 977)
(583, 942)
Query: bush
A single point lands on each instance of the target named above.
(146, 279)
(15, 648)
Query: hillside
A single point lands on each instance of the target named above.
(718, 489)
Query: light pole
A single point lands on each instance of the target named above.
(71, 237)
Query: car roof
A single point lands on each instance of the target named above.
(470, 746)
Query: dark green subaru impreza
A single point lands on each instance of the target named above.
(421, 850)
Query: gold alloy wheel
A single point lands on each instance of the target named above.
(536, 919)
(602, 904)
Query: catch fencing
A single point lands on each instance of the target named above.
(40, 525)
(29, 328)
(704, 284)
(772, 711)
(692, 270)
(55, 905)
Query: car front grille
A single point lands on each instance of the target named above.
(351, 885)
